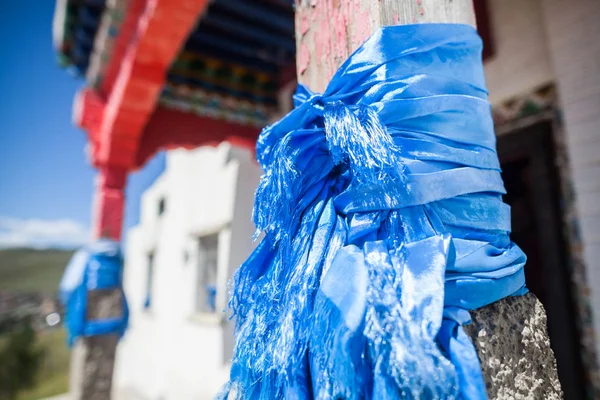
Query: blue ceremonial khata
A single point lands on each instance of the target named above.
(381, 204)
(98, 266)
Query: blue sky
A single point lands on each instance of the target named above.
(46, 182)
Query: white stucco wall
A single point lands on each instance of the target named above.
(169, 352)
(573, 30)
(521, 61)
(541, 41)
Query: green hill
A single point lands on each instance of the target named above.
(31, 270)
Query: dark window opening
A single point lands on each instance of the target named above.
(149, 280)
(161, 206)
(208, 257)
(484, 27)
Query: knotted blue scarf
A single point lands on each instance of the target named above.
(384, 224)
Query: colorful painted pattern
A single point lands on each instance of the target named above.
(110, 24)
(74, 28)
(530, 104)
(209, 104)
(228, 82)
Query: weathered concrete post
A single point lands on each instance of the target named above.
(92, 358)
(510, 336)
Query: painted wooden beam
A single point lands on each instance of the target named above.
(170, 128)
(88, 112)
(328, 31)
(109, 202)
(115, 117)
(185, 130)
(121, 44)
(162, 29)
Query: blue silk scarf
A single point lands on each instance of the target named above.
(384, 224)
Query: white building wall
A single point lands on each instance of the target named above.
(521, 61)
(573, 30)
(170, 352)
(542, 41)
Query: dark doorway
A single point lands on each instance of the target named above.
(532, 185)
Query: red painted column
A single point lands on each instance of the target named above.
(109, 204)
(116, 116)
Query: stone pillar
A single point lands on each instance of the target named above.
(92, 362)
(514, 349)
(510, 335)
(328, 31)
(92, 358)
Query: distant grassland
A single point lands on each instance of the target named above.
(30, 270)
(54, 372)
